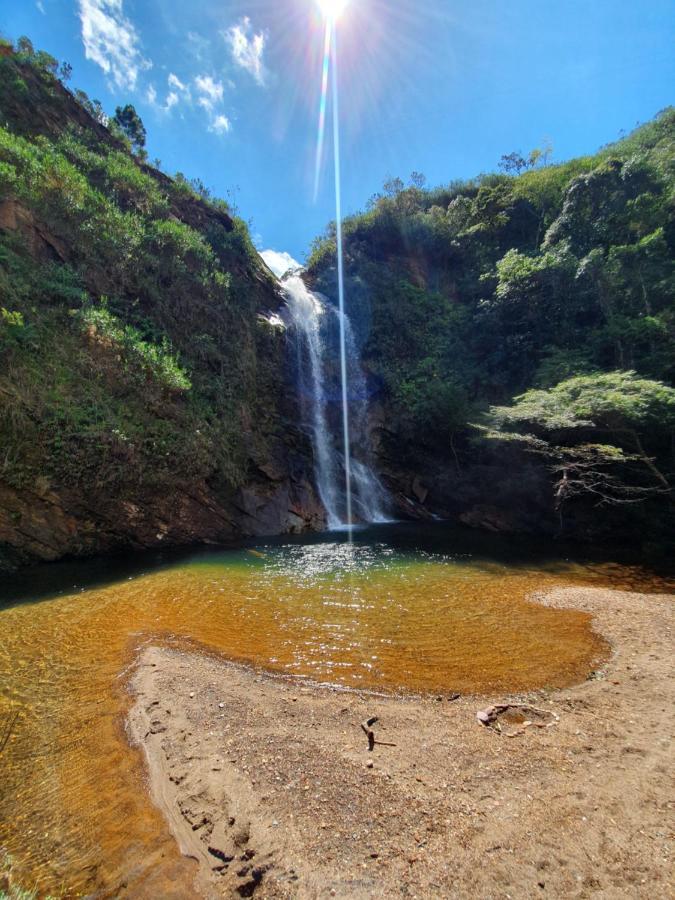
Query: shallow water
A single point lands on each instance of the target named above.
(402, 608)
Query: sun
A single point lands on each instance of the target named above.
(332, 9)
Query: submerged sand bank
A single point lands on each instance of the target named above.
(269, 785)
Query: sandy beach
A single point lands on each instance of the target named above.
(269, 786)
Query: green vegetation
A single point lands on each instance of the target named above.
(475, 292)
(131, 356)
(592, 430)
(9, 890)
(130, 122)
(143, 360)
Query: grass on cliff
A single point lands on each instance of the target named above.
(130, 346)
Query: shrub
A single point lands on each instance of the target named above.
(139, 357)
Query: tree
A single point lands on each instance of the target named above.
(393, 186)
(65, 71)
(513, 163)
(93, 107)
(45, 61)
(24, 45)
(38, 58)
(131, 124)
(591, 429)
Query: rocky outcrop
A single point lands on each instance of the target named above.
(503, 492)
(44, 524)
(42, 245)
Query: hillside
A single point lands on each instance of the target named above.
(518, 331)
(141, 390)
(468, 295)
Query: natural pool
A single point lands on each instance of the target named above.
(402, 608)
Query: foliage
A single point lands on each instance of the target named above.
(138, 357)
(482, 289)
(131, 358)
(93, 107)
(514, 163)
(609, 401)
(589, 427)
(131, 124)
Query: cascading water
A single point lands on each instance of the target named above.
(305, 312)
(314, 324)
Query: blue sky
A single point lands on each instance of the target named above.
(229, 91)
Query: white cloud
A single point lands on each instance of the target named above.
(175, 82)
(279, 261)
(247, 48)
(197, 45)
(210, 91)
(110, 40)
(220, 124)
(40, 5)
(210, 97)
(171, 99)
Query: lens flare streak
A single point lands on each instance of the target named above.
(341, 286)
(322, 107)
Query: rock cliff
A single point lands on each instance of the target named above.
(142, 392)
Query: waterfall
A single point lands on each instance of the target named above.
(306, 313)
(314, 325)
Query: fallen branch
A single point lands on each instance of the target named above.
(370, 734)
(367, 728)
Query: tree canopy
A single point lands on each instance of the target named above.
(131, 124)
(593, 430)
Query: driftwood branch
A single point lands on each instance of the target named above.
(367, 727)
(370, 734)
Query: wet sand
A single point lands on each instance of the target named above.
(268, 785)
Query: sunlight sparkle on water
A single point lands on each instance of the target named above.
(391, 611)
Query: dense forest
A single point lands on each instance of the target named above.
(550, 284)
(518, 331)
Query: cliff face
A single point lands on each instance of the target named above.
(465, 296)
(142, 400)
(143, 392)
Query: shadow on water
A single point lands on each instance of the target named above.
(442, 540)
